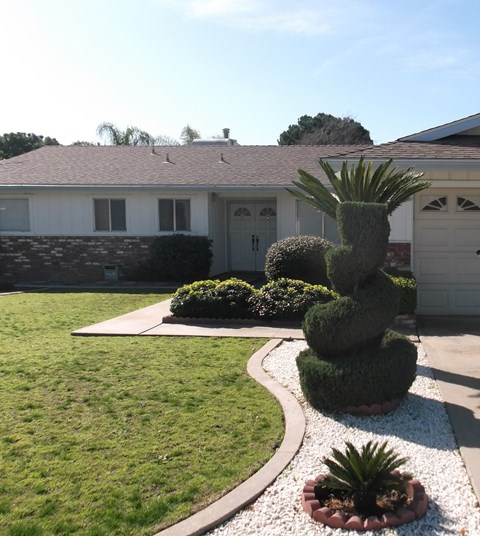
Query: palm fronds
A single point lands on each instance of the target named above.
(383, 185)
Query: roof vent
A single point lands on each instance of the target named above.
(167, 160)
(226, 133)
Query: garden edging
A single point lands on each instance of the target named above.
(248, 491)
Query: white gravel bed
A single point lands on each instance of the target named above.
(419, 428)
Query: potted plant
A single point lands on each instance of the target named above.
(364, 490)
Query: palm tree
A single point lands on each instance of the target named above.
(129, 136)
(189, 134)
(384, 185)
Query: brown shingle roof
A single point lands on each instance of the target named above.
(451, 148)
(190, 166)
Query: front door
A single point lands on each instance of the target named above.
(252, 230)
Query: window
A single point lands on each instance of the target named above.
(432, 202)
(14, 215)
(467, 204)
(174, 214)
(110, 215)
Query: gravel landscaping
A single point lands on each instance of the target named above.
(419, 429)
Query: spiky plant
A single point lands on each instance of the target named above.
(384, 185)
(364, 475)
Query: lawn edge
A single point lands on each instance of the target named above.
(248, 491)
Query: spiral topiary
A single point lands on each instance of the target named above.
(351, 359)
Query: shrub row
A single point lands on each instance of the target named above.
(283, 299)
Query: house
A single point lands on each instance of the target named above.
(67, 212)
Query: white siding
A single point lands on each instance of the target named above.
(71, 213)
(401, 223)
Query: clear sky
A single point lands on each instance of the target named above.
(255, 66)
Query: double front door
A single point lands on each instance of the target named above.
(252, 230)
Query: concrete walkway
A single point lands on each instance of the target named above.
(148, 321)
(452, 345)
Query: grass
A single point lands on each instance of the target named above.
(119, 435)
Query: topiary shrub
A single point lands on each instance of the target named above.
(178, 257)
(407, 290)
(349, 344)
(369, 377)
(288, 299)
(298, 257)
(213, 299)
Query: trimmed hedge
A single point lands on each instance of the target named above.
(285, 299)
(177, 257)
(298, 257)
(370, 377)
(214, 299)
(288, 299)
(407, 290)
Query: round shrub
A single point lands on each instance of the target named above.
(235, 296)
(213, 299)
(288, 299)
(298, 257)
(373, 376)
(196, 300)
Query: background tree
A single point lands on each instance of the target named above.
(82, 143)
(17, 143)
(325, 129)
(131, 136)
(189, 134)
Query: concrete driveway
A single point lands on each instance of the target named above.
(452, 344)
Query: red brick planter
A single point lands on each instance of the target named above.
(374, 409)
(415, 509)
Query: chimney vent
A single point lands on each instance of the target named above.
(226, 133)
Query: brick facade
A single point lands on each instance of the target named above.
(78, 259)
(399, 256)
(81, 259)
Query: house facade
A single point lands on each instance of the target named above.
(67, 212)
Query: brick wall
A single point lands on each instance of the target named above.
(69, 259)
(399, 255)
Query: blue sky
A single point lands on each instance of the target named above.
(254, 66)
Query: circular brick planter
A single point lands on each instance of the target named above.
(415, 509)
(374, 409)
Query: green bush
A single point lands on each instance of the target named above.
(349, 324)
(370, 377)
(213, 299)
(364, 230)
(298, 257)
(178, 257)
(196, 300)
(407, 290)
(288, 299)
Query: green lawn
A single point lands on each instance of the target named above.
(119, 435)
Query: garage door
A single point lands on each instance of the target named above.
(447, 252)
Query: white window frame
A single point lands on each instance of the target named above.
(28, 212)
(174, 215)
(109, 230)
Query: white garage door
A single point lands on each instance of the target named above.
(447, 252)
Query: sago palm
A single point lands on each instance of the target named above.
(364, 474)
(361, 183)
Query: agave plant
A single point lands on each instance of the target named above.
(384, 185)
(364, 475)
